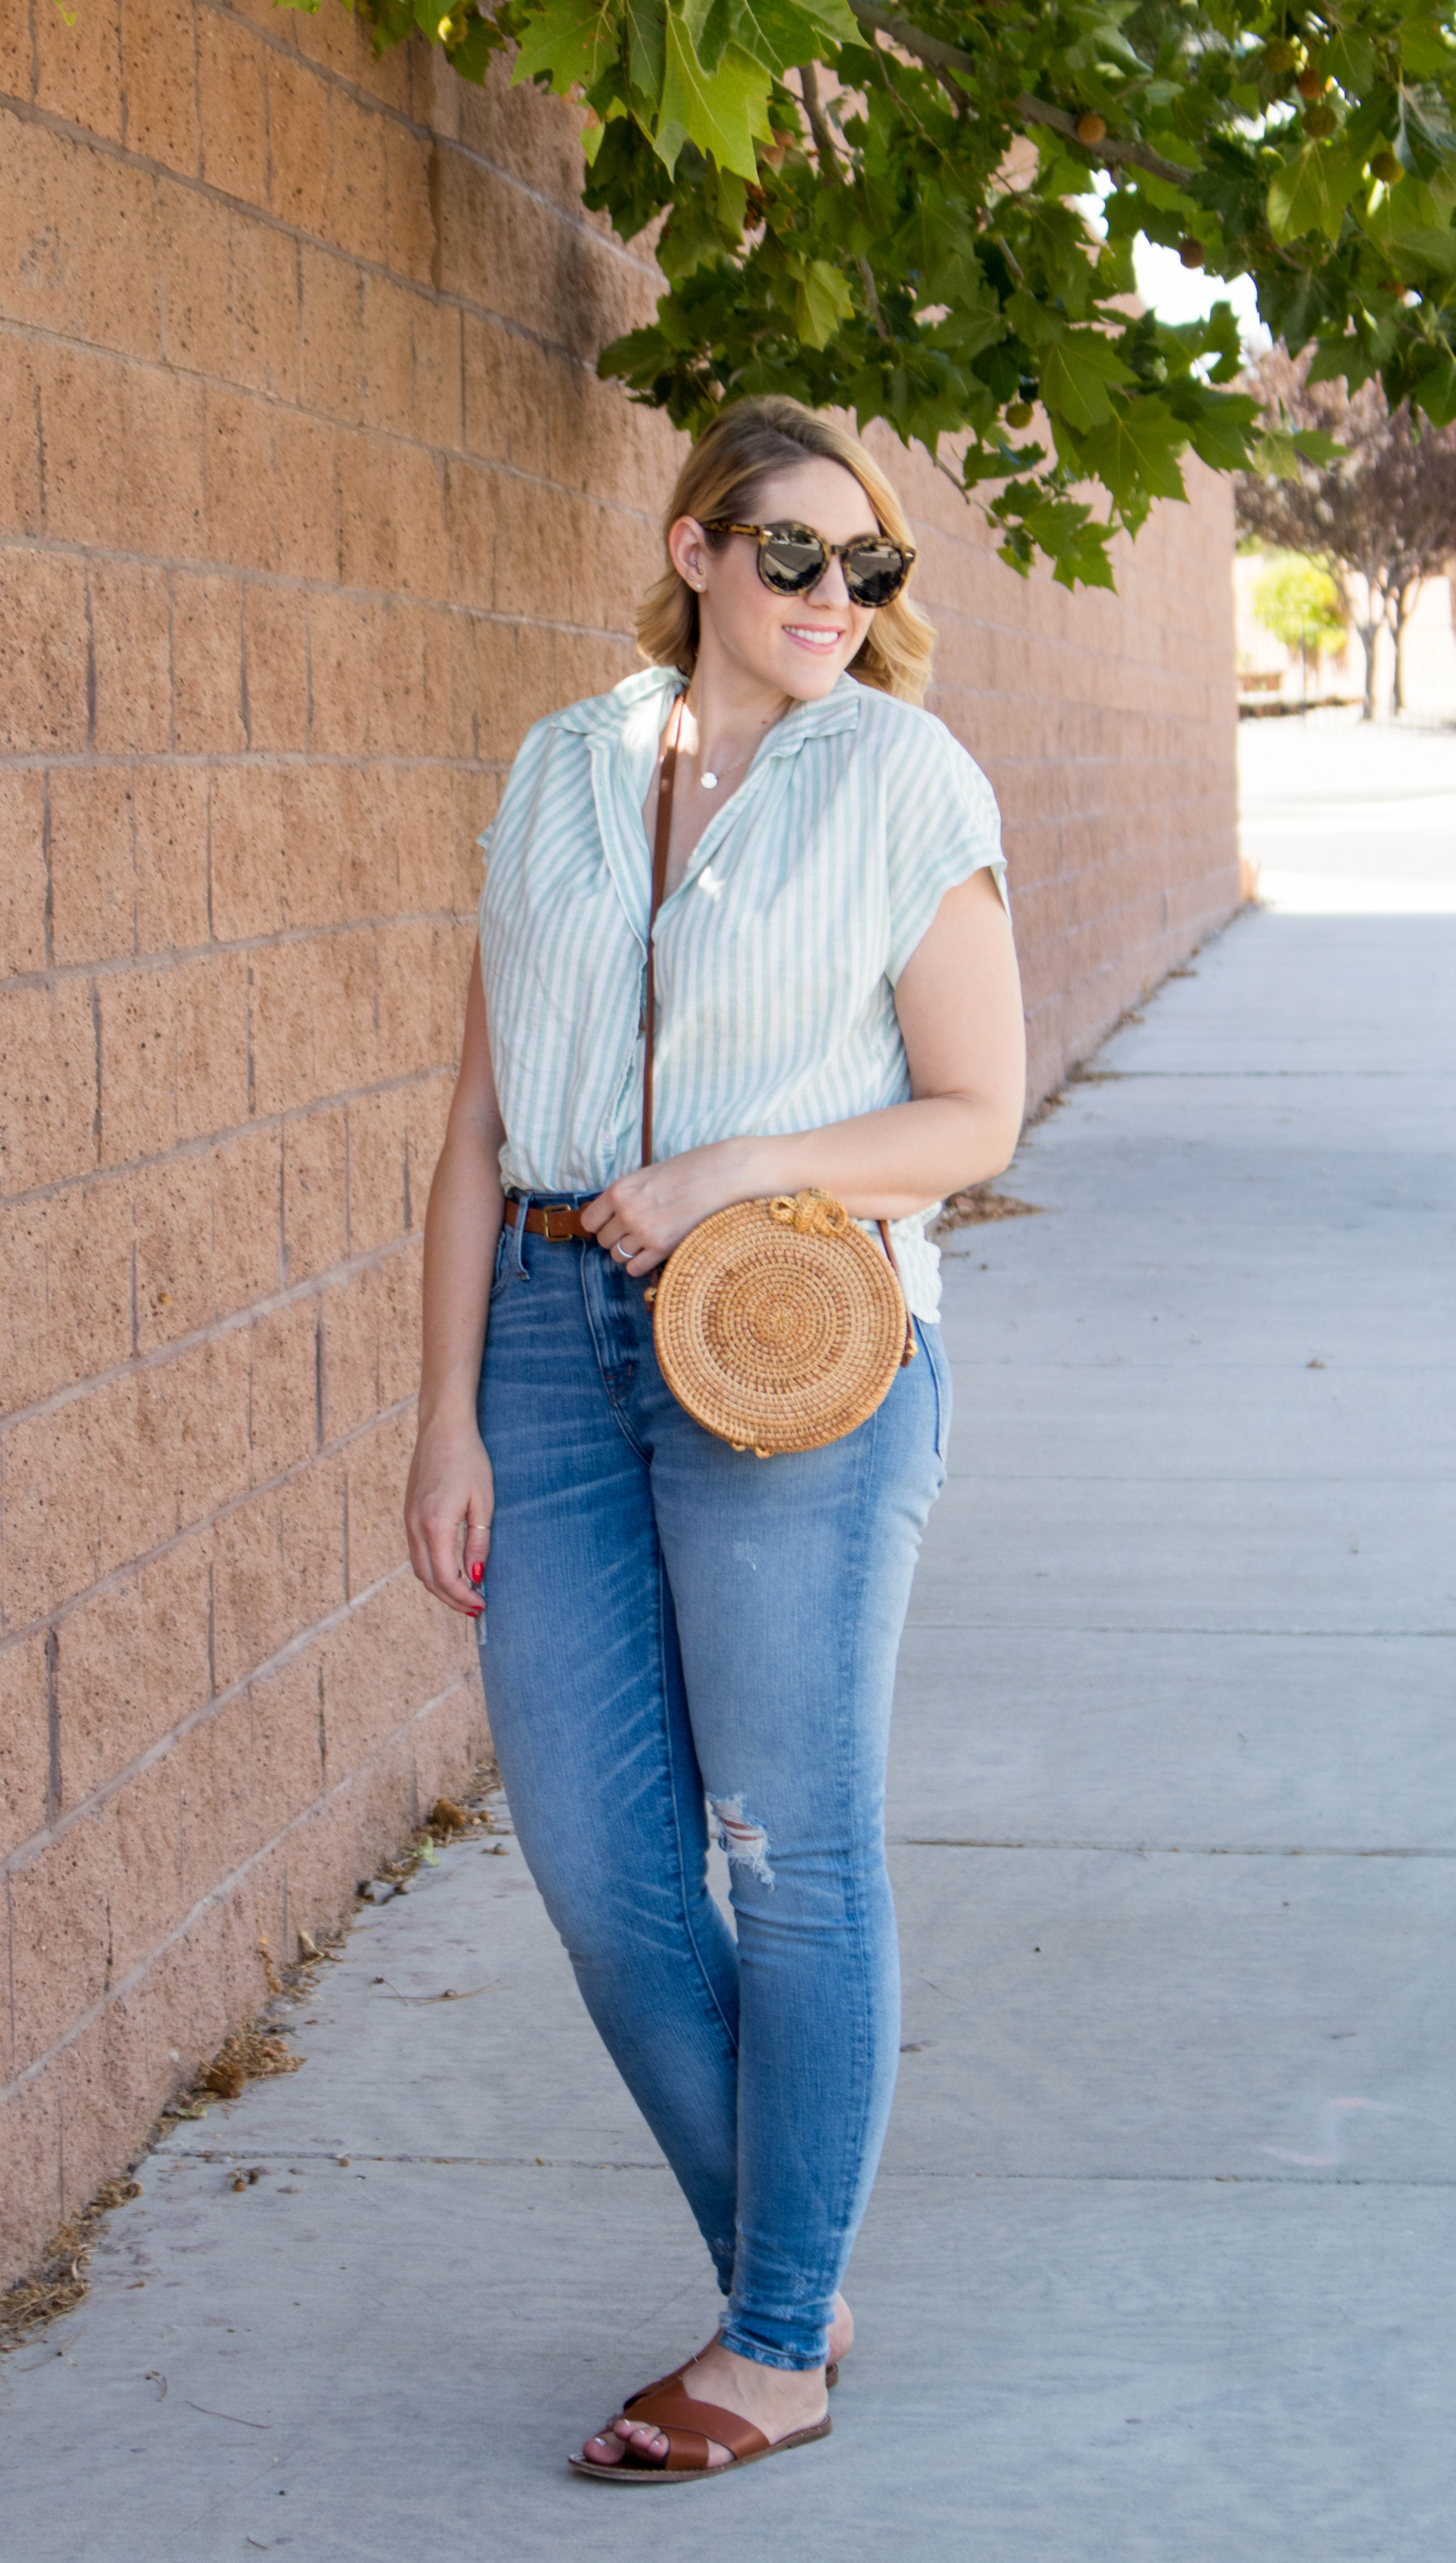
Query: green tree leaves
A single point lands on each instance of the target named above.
(1310, 192)
(570, 43)
(925, 214)
(724, 113)
(1298, 601)
(1135, 457)
(1076, 372)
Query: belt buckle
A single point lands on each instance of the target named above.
(546, 1228)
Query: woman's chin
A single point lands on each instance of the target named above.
(803, 676)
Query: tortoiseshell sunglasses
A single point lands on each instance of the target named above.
(792, 559)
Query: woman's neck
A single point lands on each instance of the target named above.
(729, 712)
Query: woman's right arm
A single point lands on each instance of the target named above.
(449, 1499)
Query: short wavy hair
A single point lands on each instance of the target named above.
(719, 477)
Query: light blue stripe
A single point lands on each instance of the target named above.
(777, 956)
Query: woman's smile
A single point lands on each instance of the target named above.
(814, 635)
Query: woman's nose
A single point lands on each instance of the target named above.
(831, 589)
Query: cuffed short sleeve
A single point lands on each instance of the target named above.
(943, 826)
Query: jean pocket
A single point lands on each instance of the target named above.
(932, 1345)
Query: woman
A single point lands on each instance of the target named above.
(666, 1621)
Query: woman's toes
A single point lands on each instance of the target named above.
(605, 2451)
(635, 2435)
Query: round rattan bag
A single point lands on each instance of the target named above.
(779, 1324)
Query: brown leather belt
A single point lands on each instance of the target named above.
(553, 1220)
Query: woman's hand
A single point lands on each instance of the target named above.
(959, 1004)
(649, 1212)
(449, 1503)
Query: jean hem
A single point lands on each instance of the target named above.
(731, 2337)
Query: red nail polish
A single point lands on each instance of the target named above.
(477, 1571)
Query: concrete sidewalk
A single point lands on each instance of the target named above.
(1159, 2266)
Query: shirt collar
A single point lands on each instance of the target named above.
(607, 715)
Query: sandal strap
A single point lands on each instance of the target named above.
(683, 2418)
(687, 2452)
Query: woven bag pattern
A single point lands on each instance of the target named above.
(778, 1325)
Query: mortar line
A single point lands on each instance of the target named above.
(27, 112)
(333, 1278)
(301, 582)
(128, 1985)
(121, 964)
(37, 1845)
(203, 1142)
(123, 1574)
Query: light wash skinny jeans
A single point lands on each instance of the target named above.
(669, 1620)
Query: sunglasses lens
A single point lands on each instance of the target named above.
(874, 573)
(790, 560)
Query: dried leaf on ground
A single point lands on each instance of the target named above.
(978, 1202)
(59, 2284)
(249, 2056)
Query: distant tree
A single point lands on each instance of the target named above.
(1427, 532)
(1298, 601)
(1383, 512)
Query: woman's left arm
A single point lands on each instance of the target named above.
(959, 1003)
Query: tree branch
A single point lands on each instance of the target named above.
(818, 123)
(828, 160)
(871, 296)
(940, 57)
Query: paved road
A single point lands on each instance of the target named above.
(1159, 2269)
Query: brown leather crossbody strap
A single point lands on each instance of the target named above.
(888, 1243)
(660, 843)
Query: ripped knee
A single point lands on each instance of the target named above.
(744, 1843)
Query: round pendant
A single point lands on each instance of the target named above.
(709, 782)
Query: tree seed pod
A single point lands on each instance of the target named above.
(1191, 252)
(1386, 167)
(1091, 127)
(1320, 121)
(1310, 85)
(1018, 413)
(1281, 56)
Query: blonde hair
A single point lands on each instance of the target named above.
(745, 443)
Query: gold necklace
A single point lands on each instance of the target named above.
(710, 780)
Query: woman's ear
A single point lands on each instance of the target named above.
(688, 549)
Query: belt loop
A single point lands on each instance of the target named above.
(523, 1204)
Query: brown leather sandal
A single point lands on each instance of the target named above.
(687, 2428)
(832, 2378)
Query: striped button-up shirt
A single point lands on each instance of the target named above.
(777, 956)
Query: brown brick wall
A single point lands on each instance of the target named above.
(309, 502)
(1106, 724)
